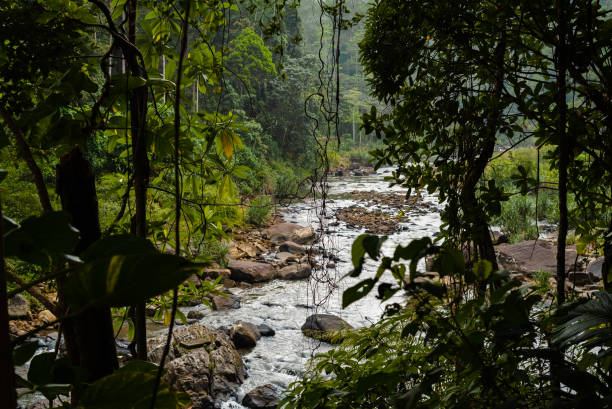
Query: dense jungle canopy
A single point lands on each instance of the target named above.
(149, 150)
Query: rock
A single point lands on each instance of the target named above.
(281, 231)
(594, 269)
(195, 315)
(250, 271)
(203, 363)
(220, 302)
(530, 256)
(293, 248)
(229, 283)
(244, 335)
(249, 249)
(286, 257)
(331, 265)
(323, 326)
(265, 330)
(262, 397)
(195, 279)
(18, 307)
(499, 238)
(46, 316)
(295, 272)
(304, 235)
(213, 273)
(579, 278)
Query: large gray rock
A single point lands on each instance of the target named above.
(262, 397)
(324, 326)
(305, 235)
(285, 257)
(281, 231)
(213, 273)
(531, 256)
(265, 330)
(203, 363)
(250, 271)
(18, 307)
(295, 272)
(293, 248)
(244, 335)
(594, 269)
(220, 302)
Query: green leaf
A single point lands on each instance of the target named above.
(356, 292)
(123, 279)
(8, 225)
(130, 387)
(241, 171)
(482, 269)
(24, 353)
(40, 239)
(121, 244)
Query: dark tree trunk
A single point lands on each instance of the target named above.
(138, 108)
(564, 144)
(8, 398)
(91, 332)
(479, 227)
(606, 269)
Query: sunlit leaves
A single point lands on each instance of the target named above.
(130, 387)
(121, 269)
(40, 240)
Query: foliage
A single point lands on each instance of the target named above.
(449, 349)
(258, 211)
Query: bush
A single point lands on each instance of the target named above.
(258, 211)
(215, 251)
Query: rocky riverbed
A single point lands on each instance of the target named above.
(283, 288)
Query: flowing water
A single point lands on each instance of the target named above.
(284, 305)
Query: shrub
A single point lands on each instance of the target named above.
(258, 210)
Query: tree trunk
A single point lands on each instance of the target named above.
(564, 148)
(479, 226)
(606, 268)
(138, 108)
(89, 336)
(8, 398)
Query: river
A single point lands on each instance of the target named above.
(284, 305)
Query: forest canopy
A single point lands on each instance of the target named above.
(141, 138)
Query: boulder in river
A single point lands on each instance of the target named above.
(265, 330)
(195, 315)
(293, 248)
(531, 256)
(594, 269)
(324, 326)
(203, 363)
(18, 307)
(244, 335)
(305, 235)
(213, 273)
(285, 257)
(221, 302)
(250, 271)
(281, 231)
(262, 397)
(46, 316)
(295, 271)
